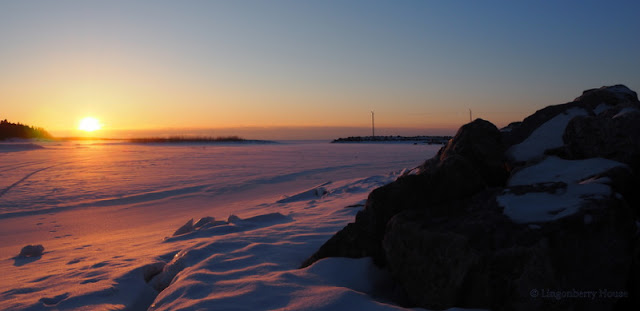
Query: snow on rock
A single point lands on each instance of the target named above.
(536, 207)
(361, 185)
(32, 251)
(547, 136)
(554, 169)
(162, 279)
(614, 134)
(611, 94)
(533, 207)
(259, 220)
(313, 193)
(599, 180)
(204, 221)
(626, 111)
(407, 172)
(601, 108)
(621, 91)
(186, 228)
(232, 225)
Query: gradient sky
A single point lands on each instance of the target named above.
(306, 69)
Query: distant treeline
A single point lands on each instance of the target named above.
(425, 139)
(187, 139)
(17, 130)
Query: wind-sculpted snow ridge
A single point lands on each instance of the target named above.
(314, 193)
(246, 262)
(251, 263)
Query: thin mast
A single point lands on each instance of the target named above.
(373, 127)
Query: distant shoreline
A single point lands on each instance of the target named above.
(416, 139)
(193, 139)
(157, 140)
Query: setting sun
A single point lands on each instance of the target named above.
(89, 124)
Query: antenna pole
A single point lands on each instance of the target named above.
(373, 127)
(470, 119)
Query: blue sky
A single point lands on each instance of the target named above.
(228, 64)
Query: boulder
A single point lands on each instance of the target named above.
(481, 259)
(608, 95)
(613, 134)
(469, 163)
(430, 266)
(592, 100)
(31, 251)
(480, 143)
(203, 221)
(186, 228)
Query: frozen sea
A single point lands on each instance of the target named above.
(89, 174)
(106, 213)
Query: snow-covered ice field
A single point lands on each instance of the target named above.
(106, 212)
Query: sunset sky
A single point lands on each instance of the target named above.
(305, 69)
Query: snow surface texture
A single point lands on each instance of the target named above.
(535, 207)
(547, 136)
(106, 215)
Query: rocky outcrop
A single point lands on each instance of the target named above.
(612, 134)
(592, 100)
(469, 163)
(31, 251)
(483, 259)
(541, 215)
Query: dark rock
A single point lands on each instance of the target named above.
(363, 238)
(203, 221)
(548, 187)
(431, 266)
(32, 251)
(480, 143)
(614, 134)
(469, 163)
(186, 228)
(481, 259)
(353, 241)
(455, 177)
(518, 132)
(610, 96)
(634, 286)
